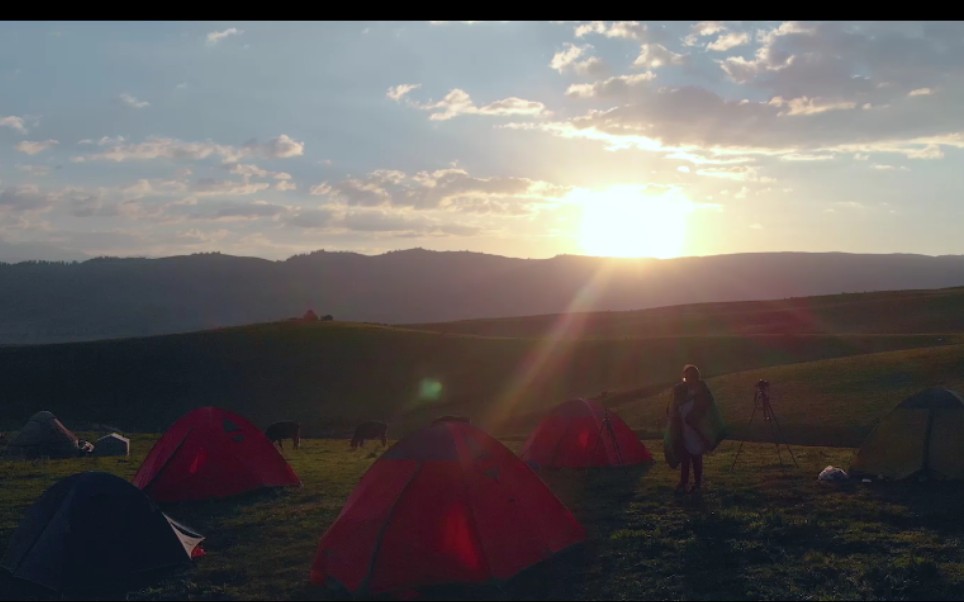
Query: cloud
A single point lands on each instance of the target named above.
(812, 88)
(35, 170)
(133, 102)
(707, 28)
(397, 92)
(17, 251)
(653, 56)
(24, 198)
(146, 188)
(452, 189)
(33, 147)
(377, 221)
(249, 170)
(567, 60)
(457, 102)
(633, 30)
(740, 173)
(311, 218)
(90, 204)
(613, 86)
(211, 187)
(728, 41)
(216, 36)
(169, 148)
(234, 211)
(281, 147)
(14, 122)
(809, 106)
(196, 235)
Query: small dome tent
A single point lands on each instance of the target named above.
(44, 436)
(95, 531)
(446, 506)
(212, 453)
(583, 433)
(922, 436)
(113, 444)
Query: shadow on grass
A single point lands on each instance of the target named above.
(581, 488)
(928, 504)
(13, 588)
(555, 578)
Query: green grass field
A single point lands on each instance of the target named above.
(763, 529)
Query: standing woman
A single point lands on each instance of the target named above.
(694, 427)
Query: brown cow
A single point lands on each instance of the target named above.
(370, 430)
(286, 429)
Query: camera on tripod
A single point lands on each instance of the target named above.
(761, 402)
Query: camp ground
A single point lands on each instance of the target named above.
(531, 496)
(449, 512)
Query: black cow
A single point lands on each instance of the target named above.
(286, 429)
(369, 430)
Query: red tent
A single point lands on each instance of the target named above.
(447, 505)
(212, 453)
(582, 433)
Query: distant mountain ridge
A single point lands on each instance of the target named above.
(48, 302)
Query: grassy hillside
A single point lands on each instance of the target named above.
(330, 375)
(905, 312)
(826, 402)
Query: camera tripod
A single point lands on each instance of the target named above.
(761, 402)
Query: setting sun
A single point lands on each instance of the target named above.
(633, 221)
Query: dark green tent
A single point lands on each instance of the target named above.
(922, 437)
(95, 532)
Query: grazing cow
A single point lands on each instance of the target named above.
(369, 430)
(286, 429)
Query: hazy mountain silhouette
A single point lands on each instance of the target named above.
(45, 302)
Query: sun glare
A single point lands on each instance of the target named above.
(633, 221)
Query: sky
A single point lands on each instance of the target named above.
(516, 138)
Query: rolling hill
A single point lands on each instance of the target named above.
(331, 374)
(48, 302)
